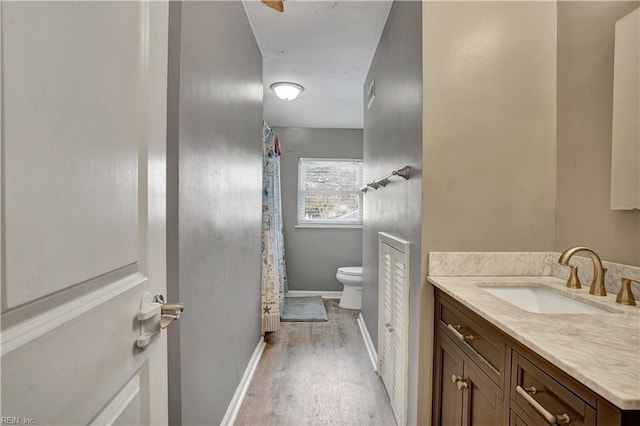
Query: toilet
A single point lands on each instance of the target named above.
(351, 277)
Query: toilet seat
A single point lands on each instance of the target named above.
(354, 271)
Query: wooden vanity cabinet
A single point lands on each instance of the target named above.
(484, 377)
(470, 362)
(466, 395)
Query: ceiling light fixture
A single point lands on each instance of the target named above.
(286, 91)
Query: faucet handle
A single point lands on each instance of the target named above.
(625, 296)
(573, 281)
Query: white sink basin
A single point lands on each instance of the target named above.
(540, 300)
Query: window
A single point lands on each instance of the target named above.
(328, 192)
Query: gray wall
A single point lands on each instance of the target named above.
(173, 171)
(219, 216)
(314, 255)
(393, 139)
(585, 96)
(489, 136)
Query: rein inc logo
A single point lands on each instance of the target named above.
(14, 420)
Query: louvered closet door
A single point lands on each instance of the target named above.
(394, 298)
(386, 337)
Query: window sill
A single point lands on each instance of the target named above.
(327, 226)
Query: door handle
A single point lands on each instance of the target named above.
(155, 315)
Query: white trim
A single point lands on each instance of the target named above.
(324, 294)
(368, 343)
(241, 391)
(116, 407)
(403, 246)
(26, 331)
(330, 159)
(326, 225)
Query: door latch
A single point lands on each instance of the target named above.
(155, 315)
(169, 311)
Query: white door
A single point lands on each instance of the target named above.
(83, 211)
(393, 328)
(385, 333)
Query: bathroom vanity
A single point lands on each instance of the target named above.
(497, 364)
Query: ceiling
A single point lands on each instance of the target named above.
(327, 47)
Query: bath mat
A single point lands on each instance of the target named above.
(303, 309)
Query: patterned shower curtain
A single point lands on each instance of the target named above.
(274, 275)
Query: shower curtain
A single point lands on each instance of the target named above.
(274, 275)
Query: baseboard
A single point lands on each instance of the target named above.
(324, 294)
(241, 391)
(371, 349)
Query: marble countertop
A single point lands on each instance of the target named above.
(601, 350)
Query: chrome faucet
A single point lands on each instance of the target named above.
(597, 284)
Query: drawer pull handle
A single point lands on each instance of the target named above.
(550, 418)
(459, 381)
(454, 329)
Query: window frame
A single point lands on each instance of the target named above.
(328, 223)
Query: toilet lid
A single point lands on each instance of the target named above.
(350, 270)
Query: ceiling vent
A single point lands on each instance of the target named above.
(371, 93)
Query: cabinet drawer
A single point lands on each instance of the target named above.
(544, 399)
(479, 342)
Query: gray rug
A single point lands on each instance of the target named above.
(303, 309)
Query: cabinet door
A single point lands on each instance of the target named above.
(517, 420)
(483, 402)
(447, 403)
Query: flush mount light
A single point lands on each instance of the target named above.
(287, 91)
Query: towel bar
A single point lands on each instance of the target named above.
(404, 172)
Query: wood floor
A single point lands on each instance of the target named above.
(316, 373)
